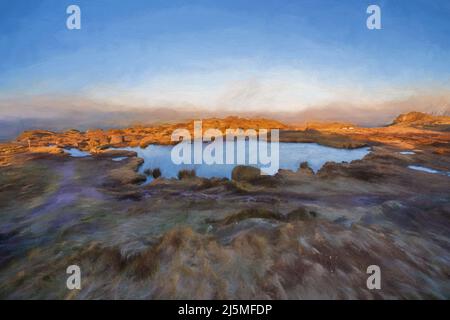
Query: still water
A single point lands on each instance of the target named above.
(290, 157)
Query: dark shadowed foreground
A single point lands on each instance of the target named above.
(295, 235)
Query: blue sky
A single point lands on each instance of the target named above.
(223, 54)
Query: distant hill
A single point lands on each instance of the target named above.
(423, 120)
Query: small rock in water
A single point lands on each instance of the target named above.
(156, 173)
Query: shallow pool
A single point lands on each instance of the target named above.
(290, 157)
(428, 170)
(76, 153)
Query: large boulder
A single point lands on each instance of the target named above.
(305, 169)
(186, 174)
(245, 173)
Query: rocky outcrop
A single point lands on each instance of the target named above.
(126, 174)
(96, 139)
(411, 117)
(414, 130)
(420, 119)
